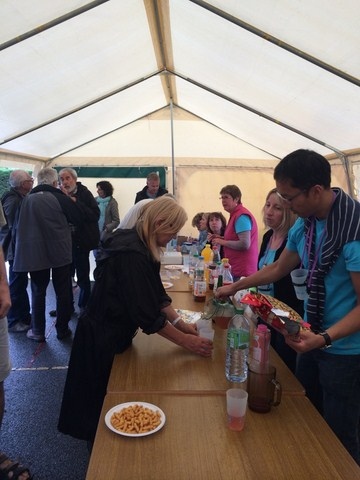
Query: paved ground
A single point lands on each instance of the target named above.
(33, 396)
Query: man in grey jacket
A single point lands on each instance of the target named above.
(43, 242)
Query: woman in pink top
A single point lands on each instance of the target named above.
(240, 240)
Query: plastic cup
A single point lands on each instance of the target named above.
(298, 278)
(236, 402)
(205, 329)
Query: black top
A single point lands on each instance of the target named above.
(283, 288)
(128, 294)
(142, 195)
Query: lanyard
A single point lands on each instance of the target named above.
(308, 243)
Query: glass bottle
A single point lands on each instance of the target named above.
(216, 254)
(199, 281)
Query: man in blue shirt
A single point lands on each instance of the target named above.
(326, 241)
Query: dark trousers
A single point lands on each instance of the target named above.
(20, 304)
(39, 282)
(332, 383)
(81, 264)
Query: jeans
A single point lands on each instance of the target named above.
(20, 305)
(332, 383)
(81, 264)
(39, 282)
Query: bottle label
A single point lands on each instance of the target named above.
(238, 339)
(199, 288)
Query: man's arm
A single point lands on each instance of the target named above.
(5, 302)
(287, 261)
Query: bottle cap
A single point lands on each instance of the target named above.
(239, 309)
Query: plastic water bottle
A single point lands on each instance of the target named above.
(193, 260)
(227, 277)
(237, 347)
(260, 348)
(199, 281)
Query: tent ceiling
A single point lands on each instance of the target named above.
(275, 75)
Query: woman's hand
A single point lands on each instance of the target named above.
(5, 302)
(198, 345)
(185, 327)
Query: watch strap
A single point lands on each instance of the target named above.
(327, 339)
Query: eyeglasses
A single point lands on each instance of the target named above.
(29, 180)
(290, 199)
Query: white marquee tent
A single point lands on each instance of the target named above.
(210, 92)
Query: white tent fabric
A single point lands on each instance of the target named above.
(179, 83)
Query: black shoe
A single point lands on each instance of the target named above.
(65, 334)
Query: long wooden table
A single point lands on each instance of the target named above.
(178, 279)
(292, 442)
(170, 368)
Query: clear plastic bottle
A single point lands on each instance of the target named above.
(237, 347)
(260, 348)
(227, 277)
(193, 260)
(199, 281)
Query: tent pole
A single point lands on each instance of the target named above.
(172, 145)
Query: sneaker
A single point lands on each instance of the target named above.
(35, 337)
(19, 327)
(63, 335)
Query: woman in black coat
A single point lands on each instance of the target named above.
(128, 294)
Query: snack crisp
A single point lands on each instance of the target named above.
(136, 419)
(270, 310)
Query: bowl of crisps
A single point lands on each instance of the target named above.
(135, 419)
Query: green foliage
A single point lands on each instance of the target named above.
(4, 179)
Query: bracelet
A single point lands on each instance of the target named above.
(174, 322)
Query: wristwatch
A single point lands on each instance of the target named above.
(327, 339)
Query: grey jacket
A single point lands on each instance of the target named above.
(43, 236)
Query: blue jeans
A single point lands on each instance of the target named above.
(332, 383)
(20, 305)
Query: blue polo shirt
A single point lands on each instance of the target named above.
(340, 296)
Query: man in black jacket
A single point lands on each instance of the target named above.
(85, 238)
(152, 188)
(19, 314)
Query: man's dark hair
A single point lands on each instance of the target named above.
(304, 169)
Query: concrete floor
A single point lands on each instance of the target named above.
(33, 393)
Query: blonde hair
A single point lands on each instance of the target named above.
(289, 217)
(161, 216)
